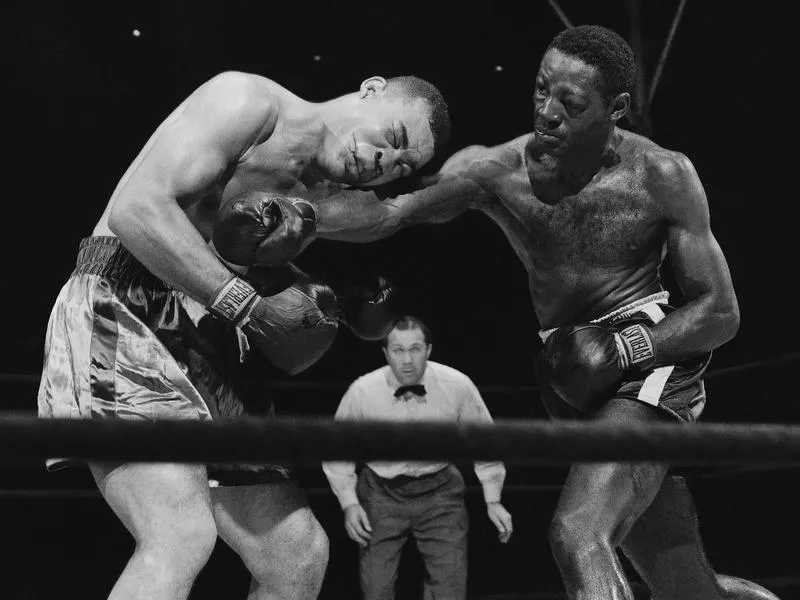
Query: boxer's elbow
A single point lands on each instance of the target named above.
(725, 321)
(731, 320)
(120, 217)
(131, 215)
(380, 229)
(382, 224)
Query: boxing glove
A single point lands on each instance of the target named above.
(257, 227)
(269, 281)
(293, 328)
(586, 363)
(368, 308)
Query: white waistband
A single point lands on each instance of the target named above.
(648, 304)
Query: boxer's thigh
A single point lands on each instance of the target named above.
(161, 504)
(270, 526)
(604, 499)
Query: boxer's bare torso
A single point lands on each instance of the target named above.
(278, 160)
(586, 251)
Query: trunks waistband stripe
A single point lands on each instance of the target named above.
(106, 256)
(648, 304)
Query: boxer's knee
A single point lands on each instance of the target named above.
(303, 556)
(179, 552)
(310, 547)
(572, 537)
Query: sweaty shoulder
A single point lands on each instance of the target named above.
(670, 177)
(486, 163)
(250, 97)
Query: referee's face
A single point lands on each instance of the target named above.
(407, 354)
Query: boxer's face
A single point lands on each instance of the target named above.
(387, 136)
(407, 354)
(570, 107)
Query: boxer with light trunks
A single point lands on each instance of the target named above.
(186, 272)
(592, 210)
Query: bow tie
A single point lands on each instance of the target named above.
(417, 390)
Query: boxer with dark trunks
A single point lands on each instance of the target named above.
(187, 273)
(592, 210)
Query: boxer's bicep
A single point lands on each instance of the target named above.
(361, 216)
(699, 265)
(445, 199)
(184, 158)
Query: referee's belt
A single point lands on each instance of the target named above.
(402, 480)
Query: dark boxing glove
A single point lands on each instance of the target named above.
(261, 228)
(368, 308)
(293, 328)
(588, 362)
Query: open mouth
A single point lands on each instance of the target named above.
(546, 137)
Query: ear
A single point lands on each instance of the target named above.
(428, 353)
(372, 85)
(619, 106)
(385, 353)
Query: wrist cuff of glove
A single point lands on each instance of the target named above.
(232, 301)
(636, 347)
(309, 214)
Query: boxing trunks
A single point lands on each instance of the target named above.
(121, 344)
(677, 391)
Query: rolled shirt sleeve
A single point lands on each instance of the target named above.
(492, 474)
(342, 474)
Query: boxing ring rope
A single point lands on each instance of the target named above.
(664, 53)
(537, 442)
(484, 389)
(561, 14)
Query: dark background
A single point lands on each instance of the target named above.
(82, 94)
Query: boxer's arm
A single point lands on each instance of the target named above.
(185, 157)
(710, 316)
(362, 216)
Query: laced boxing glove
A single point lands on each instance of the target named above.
(588, 362)
(293, 328)
(258, 227)
(366, 306)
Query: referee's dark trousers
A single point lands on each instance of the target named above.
(430, 508)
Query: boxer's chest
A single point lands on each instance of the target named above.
(267, 167)
(608, 221)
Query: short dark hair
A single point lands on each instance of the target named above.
(605, 50)
(439, 117)
(406, 322)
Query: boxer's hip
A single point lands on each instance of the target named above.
(121, 343)
(677, 390)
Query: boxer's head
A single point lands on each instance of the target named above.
(388, 129)
(582, 89)
(407, 348)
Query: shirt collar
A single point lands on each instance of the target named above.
(393, 383)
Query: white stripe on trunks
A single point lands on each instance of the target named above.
(648, 304)
(653, 385)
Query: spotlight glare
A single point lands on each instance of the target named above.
(136, 33)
